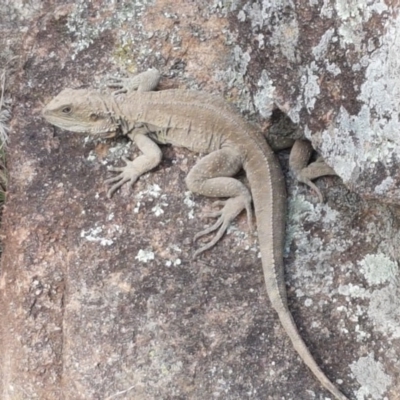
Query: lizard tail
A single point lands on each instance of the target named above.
(277, 293)
(301, 348)
(269, 201)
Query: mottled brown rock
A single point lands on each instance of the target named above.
(85, 316)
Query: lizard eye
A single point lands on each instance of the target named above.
(66, 110)
(94, 117)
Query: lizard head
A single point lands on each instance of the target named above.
(81, 110)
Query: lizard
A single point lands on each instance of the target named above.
(203, 123)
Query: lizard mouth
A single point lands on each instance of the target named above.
(109, 134)
(106, 135)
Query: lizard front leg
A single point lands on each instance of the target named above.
(150, 158)
(212, 177)
(143, 82)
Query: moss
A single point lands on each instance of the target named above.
(123, 55)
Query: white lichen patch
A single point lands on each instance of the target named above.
(234, 78)
(372, 378)
(286, 36)
(188, 201)
(175, 248)
(301, 209)
(115, 154)
(93, 235)
(264, 98)
(352, 14)
(310, 84)
(145, 255)
(370, 138)
(378, 268)
(360, 334)
(320, 50)
(92, 156)
(157, 210)
(153, 191)
(385, 185)
(333, 68)
(380, 305)
(353, 291)
(384, 310)
(174, 260)
(137, 207)
(308, 302)
(86, 30)
(361, 142)
(319, 278)
(177, 262)
(174, 263)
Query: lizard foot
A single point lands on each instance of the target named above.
(312, 171)
(126, 174)
(143, 82)
(123, 85)
(231, 209)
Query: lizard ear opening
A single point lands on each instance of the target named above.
(93, 117)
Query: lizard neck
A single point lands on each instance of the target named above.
(112, 107)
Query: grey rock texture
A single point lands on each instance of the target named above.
(100, 299)
(332, 66)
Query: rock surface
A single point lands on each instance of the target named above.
(100, 299)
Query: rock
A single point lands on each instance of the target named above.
(101, 299)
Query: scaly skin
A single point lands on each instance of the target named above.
(201, 123)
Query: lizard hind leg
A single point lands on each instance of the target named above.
(304, 172)
(212, 177)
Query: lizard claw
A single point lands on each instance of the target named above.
(126, 174)
(231, 209)
(121, 83)
(314, 187)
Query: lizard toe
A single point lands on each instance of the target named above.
(210, 229)
(314, 187)
(232, 208)
(116, 186)
(215, 239)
